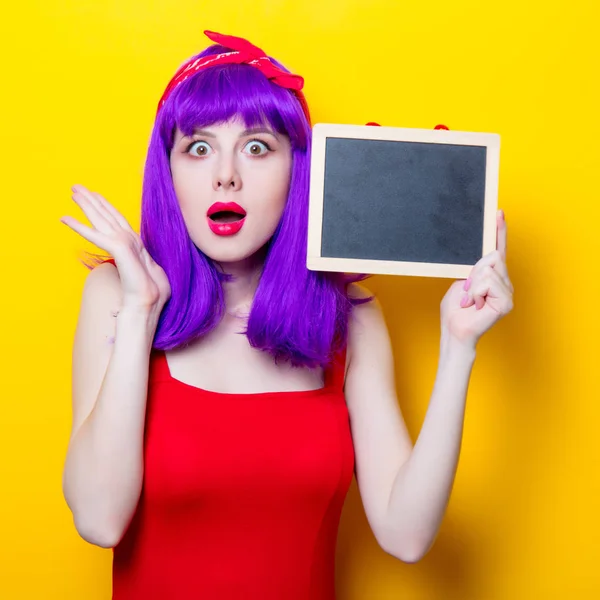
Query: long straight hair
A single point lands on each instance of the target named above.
(297, 315)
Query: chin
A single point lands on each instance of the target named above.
(232, 251)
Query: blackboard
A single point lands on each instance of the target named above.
(401, 201)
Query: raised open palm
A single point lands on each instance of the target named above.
(143, 281)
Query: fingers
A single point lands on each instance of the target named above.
(105, 220)
(94, 208)
(116, 215)
(96, 215)
(102, 207)
(101, 214)
(494, 260)
(92, 235)
(489, 288)
(501, 234)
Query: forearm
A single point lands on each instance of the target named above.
(422, 487)
(104, 465)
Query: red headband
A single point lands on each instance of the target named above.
(243, 53)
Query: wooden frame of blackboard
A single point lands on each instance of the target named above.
(316, 261)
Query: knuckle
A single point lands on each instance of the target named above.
(506, 304)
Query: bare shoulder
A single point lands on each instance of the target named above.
(102, 290)
(366, 316)
(104, 278)
(368, 336)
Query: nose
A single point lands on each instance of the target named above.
(226, 176)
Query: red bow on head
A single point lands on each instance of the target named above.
(243, 53)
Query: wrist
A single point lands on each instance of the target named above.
(137, 321)
(459, 349)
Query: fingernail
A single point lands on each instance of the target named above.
(464, 301)
(467, 284)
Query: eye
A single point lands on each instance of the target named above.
(257, 148)
(198, 149)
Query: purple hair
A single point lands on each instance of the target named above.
(297, 315)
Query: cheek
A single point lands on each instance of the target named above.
(279, 184)
(280, 191)
(266, 188)
(182, 177)
(188, 185)
(277, 199)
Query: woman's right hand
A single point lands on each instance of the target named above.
(144, 283)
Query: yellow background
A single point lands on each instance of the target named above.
(80, 82)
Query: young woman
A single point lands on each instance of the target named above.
(224, 395)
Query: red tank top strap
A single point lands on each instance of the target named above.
(336, 373)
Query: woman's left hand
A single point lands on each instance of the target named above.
(471, 307)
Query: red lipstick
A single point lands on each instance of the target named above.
(225, 218)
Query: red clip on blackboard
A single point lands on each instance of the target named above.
(378, 125)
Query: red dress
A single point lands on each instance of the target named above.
(242, 493)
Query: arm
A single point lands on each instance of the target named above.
(421, 489)
(104, 464)
(405, 489)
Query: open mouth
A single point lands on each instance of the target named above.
(226, 212)
(226, 218)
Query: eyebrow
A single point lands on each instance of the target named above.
(250, 131)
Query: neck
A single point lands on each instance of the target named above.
(239, 291)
